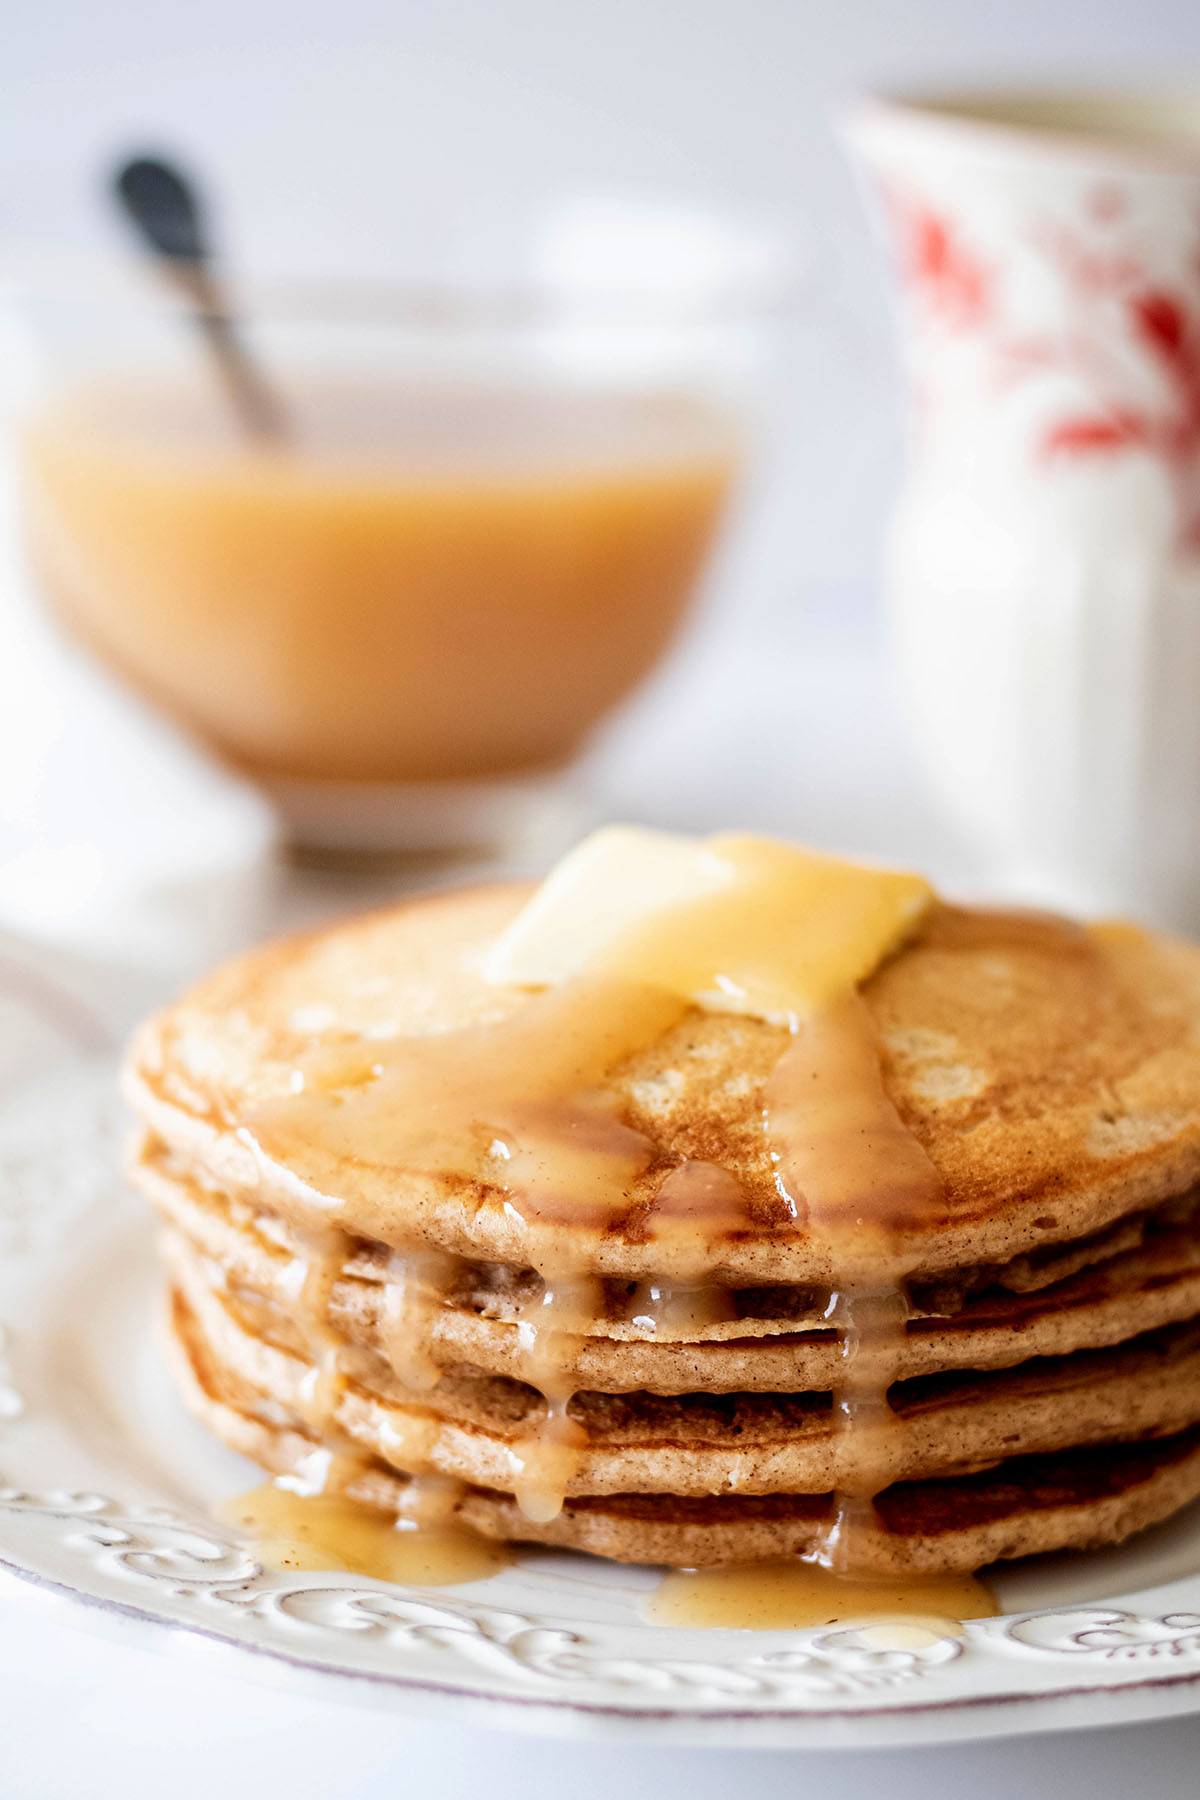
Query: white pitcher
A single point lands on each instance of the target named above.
(1045, 552)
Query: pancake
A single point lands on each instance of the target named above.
(1153, 1281)
(699, 1444)
(1052, 1079)
(1076, 1500)
(385, 1319)
(709, 1444)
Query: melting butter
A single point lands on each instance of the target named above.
(733, 923)
(795, 1594)
(326, 1531)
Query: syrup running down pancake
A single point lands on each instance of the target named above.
(715, 1202)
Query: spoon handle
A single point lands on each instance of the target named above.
(165, 207)
(253, 398)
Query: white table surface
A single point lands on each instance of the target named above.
(80, 1717)
(801, 740)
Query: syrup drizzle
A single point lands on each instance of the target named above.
(861, 1182)
(697, 1205)
(515, 1102)
(694, 1203)
(310, 1519)
(518, 1104)
(308, 1285)
(418, 1281)
(547, 1460)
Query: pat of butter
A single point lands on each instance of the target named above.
(732, 923)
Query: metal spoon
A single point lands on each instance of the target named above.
(164, 206)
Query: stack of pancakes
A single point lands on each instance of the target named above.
(1049, 1394)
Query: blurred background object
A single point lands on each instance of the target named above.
(393, 552)
(481, 144)
(1045, 558)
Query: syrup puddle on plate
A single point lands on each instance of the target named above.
(791, 1594)
(324, 1531)
(314, 1532)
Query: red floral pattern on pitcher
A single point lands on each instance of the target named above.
(952, 282)
(1149, 402)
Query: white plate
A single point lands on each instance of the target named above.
(106, 1485)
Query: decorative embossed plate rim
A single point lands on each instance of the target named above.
(105, 1486)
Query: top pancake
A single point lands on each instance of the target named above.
(1052, 1075)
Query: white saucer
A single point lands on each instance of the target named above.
(105, 1486)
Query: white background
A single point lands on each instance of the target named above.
(386, 135)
